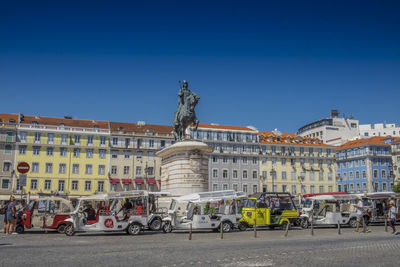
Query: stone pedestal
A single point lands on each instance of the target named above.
(184, 167)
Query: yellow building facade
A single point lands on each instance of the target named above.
(295, 164)
(67, 157)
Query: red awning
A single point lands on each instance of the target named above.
(139, 181)
(126, 181)
(114, 180)
(151, 181)
(159, 181)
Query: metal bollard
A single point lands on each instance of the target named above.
(363, 222)
(190, 232)
(312, 224)
(255, 228)
(222, 232)
(287, 229)
(386, 228)
(338, 228)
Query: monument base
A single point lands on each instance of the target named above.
(184, 167)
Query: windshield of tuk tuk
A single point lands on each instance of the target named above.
(307, 203)
(251, 203)
(173, 205)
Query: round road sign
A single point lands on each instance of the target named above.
(23, 167)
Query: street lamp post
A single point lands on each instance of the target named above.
(301, 180)
(273, 174)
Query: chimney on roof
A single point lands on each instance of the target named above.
(334, 113)
(141, 123)
(68, 117)
(37, 117)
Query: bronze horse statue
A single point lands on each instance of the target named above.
(185, 115)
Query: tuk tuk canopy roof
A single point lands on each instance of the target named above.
(211, 196)
(334, 197)
(125, 194)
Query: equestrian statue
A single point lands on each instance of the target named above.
(185, 114)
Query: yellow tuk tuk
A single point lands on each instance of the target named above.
(268, 209)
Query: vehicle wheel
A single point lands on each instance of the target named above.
(156, 224)
(167, 228)
(134, 228)
(242, 226)
(19, 229)
(61, 228)
(69, 230)
(284, 225)
(304, 223)
(353, 222)
(226, 227)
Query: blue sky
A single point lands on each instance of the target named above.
(270, 64)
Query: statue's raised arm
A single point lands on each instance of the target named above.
(185, 114)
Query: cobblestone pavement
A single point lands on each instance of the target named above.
(270, 248)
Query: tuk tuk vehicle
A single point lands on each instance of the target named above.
(45, 213)
(329, 210)
(130, 211)
(270, 209)
(379, 203)
(204, 211)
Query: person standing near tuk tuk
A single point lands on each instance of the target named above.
(11, 216)
(391, 216)
(360, 215)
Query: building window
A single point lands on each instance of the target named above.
(283, 162)
(100, 187)
(114, 154)
(36, 150)
(50, 138)
(102, 169)
(22, 150)
(330, 188)
(47, 184)
(235, 174)
(244, 188)
(357, 175)
(88, 169)
(126, 170)
(77, 152)
(364, 174)
(293, 176)
(127, 155)
(215, 173)
(244, 176)
(61, 187)
(383, 175)
(311, 176)
(102, 153)
(264, 174)
(74, 185)
(321, 176)
(49, 151)
(138, 170)
(88, 185)
(75, 168)
(77, 139)
(330, 176)
(89, 153)
(255, 175)
(375, 173)
(255, 190)
(90, 140)
(224, 187)
(255, 161)
(225, 174)
(62, 168)
(363, 162)
(214, 159)
(49, 167)
(37, 137)
(114, 169)
(35, 166)
(321, 189)
(273, 160)
(364, 189)
(64, 139)
(225, 159)
(102, 140)
(115, 141)
(312, 189)
(292, 162)
(351, 175)
(274, 188)
(294, 191)
(63, 152)
(5, 184)
(284, 175)
(215, 187)
(23, 137)
(33, 184)
(235, 187)
(234, 160)
(244, 160)
(151, 143)
(6, 166)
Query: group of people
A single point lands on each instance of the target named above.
(11, 212)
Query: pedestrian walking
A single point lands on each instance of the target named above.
(11, 216)
(391, 216)
(4, 212)
(360, 215)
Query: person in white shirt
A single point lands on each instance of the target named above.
(392, 216)
(360, 213)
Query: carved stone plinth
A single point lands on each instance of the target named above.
(184, 167)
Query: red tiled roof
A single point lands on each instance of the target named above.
(134, 127)
(376, 140)
(67, 122)
(224, 127)
(289, 139)
(4, 117)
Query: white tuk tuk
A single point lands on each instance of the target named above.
(205, 210)
(130, 211)
(329, 210)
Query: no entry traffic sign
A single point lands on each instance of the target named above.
(23, 167)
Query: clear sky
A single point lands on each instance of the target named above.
(270, 64)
